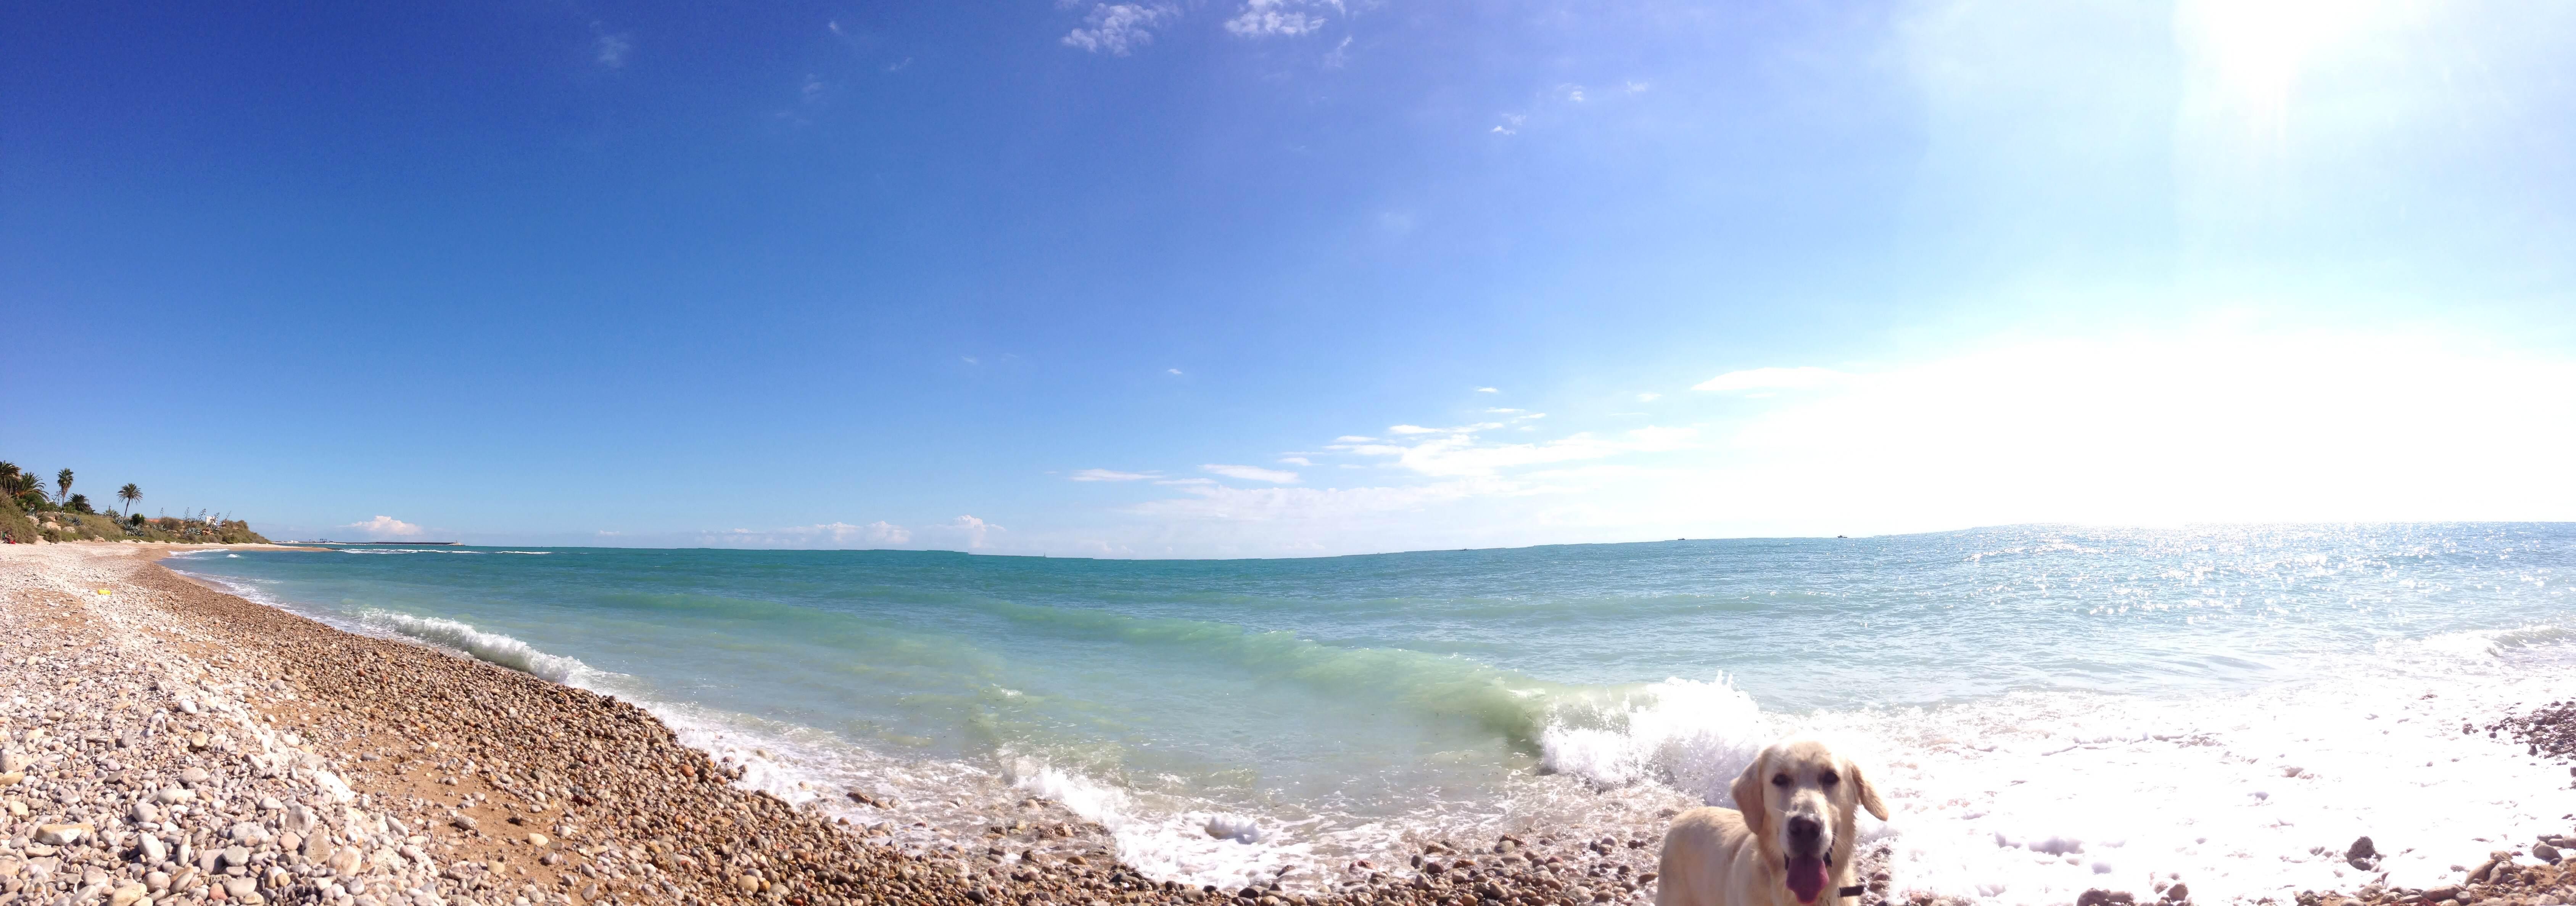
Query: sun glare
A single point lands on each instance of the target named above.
(2256, 50)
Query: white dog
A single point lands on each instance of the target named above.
(1789, 846)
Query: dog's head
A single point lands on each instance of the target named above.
(1801, 801)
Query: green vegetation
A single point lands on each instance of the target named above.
(27, 513)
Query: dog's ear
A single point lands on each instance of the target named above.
(1868, 794)
(1748, 799)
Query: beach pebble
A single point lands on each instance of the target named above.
(236, 856)
(2544, 852)
(144, 813)
(194, 776)
(61, 834)
(127, 894)
(154, 850)
(464, 822)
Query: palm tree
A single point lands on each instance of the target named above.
(63, 480)
(19, 485)
(129, 493)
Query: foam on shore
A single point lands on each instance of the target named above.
(2027, 798)
(2037, 797)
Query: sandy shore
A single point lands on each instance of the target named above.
(170, 743)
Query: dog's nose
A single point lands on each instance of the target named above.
(1805, 833)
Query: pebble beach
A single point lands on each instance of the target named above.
(167, 743)
(162, 742)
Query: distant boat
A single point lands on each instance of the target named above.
(379, 543)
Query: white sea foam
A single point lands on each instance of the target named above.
(2036, 797)
(1167, 839)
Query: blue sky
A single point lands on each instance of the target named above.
(1274, 277)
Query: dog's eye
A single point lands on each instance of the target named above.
(1779, 780)
(1827, 778)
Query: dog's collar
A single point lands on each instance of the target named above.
(1852, 891)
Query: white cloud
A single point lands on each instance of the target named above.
(613, 50)
(974, 531)
(1353, 439)
(1488, 390)
(1120, 28)
(1261, 18)
(1803, 378)
(1218, 502)
(1511, 124)
(1110, 475)
(1186, 481)
(1410, 429)
(1295, 461)
(1500, 411)
(1175, 372)
(1463, 454)
(385, 527)
(1251, 473)
(1649, 397)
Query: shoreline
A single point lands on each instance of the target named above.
(472, 782)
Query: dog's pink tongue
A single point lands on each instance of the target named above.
(1806, 877)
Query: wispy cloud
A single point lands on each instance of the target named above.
(385, 527)
(1295, 461)
(1263, 18)
(1500, 411)
(1120, 28)
(1463, 454)
(1352, 439)
(613, 50)
(1175, 372)
(1218, 502)
(1801, 378)
(1251, 473)
(1649, 397)
(1110, 475)
(1489, 390)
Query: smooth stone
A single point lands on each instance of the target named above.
(144, 813)
(154, 850)
(173, 796)
(539, 840)
(194, 776)
(126, 895)
(61, 834)
(239, 887)
(236, 855)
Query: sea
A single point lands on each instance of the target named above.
(2044, 709)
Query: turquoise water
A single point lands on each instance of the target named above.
(1227, 716)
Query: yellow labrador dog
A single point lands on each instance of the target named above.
(1790, 844)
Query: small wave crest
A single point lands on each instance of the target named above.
(484, 646)
(1690, 735)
